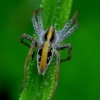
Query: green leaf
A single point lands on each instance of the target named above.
(56, 12)
(39, 87)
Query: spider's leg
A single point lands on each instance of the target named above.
(68, 24)
(35, 24)
(57, 68)
(64, 46)
(28, 37)
(57, 57)
(70, 31)
(30, 53)
(40, 23)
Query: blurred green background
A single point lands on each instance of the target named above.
(79, 77)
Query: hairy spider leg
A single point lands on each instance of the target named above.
(35, 26)
(64, 46)
(40, 23)
(70, 31)
(28, 37)
(68, 24)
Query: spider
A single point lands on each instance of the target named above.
(49, 41)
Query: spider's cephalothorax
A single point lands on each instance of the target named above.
(49, 41)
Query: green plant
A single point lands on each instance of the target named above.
(38, 87)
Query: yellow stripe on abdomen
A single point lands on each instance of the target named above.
(44, 56)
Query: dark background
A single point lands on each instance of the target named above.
(79, 77)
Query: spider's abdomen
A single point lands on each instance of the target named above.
(44, 57)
